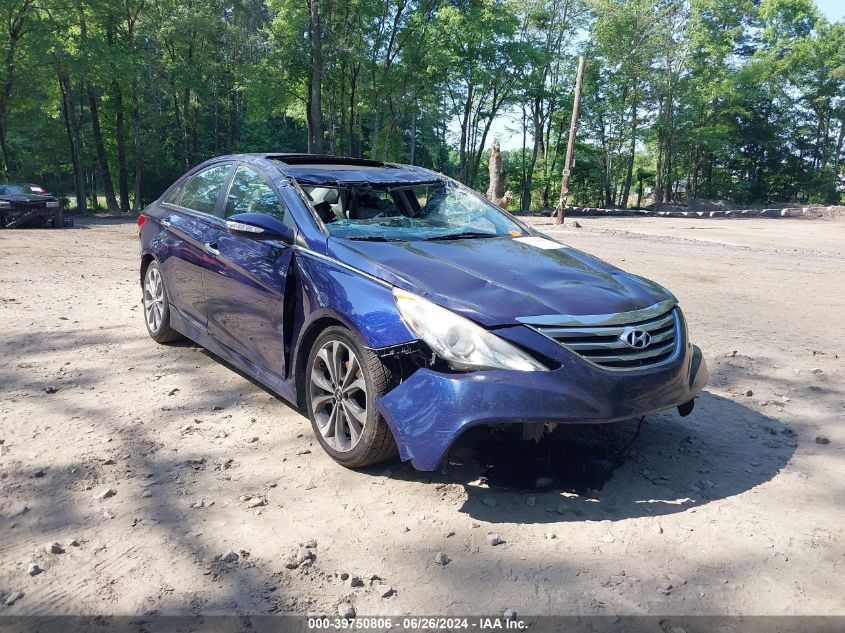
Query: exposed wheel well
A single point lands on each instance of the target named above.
(145, 262)
(305, 342)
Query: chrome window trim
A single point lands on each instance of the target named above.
(176, 207)
(589, 320)
(344, 265)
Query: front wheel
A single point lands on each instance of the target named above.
(343, 382)
(157, 307)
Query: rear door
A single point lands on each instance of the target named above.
(244, 290)
(188, 216)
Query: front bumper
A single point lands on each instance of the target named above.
(17, 215)
(429, 410)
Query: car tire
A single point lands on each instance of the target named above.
(341, 404)
(157, 306)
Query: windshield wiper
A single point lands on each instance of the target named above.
(374, 238)
(461, 236)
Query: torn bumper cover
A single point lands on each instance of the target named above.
(17, 215)
(429, 410)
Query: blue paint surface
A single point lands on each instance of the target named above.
(253, 302)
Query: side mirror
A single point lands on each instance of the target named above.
(259, 226)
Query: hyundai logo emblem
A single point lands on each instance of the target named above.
(636, 338)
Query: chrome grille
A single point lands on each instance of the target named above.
(605, 345)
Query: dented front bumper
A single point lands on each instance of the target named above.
(429, 410)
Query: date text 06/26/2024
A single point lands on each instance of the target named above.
(410, 623)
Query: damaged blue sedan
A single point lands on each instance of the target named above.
(400, 308)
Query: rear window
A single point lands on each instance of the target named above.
(202, 190)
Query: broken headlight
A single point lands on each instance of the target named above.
(460, 342)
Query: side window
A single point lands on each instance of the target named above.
(201, 190)
(251, 193)
(173, 195)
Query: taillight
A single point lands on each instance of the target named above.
(141, 219)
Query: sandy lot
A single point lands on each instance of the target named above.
(737, 509)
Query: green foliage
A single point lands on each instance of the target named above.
(739, 99)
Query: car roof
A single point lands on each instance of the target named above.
(321, 169)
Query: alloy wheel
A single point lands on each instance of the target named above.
(338, 395)
(154, 299)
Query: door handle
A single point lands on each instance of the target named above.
(212, 248)
(165, 223)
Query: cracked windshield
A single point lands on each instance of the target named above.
(433, 211)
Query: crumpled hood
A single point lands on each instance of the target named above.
(495, 280)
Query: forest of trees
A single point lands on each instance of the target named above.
(730, 99)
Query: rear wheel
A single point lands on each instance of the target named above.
(343, 382)
(157, 307)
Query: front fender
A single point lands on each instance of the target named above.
(362, 303)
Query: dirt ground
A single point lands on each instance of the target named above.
(737, 509)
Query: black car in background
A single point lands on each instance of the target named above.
(26, 204)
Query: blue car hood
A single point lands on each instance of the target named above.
(495, 280)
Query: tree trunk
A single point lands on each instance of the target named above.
(120, 136)
(560, 210)
(391, 128)
(551, 166)
(186, 126)
(136, 123)
(414, 135)
(315, 88)
(102, 159)
(626, 191)
(640, 191)
(215, 97)
(476, 162)
(659, 176)
(836, 158)
(131, 18)
(522, 159)
(463, 167)
(5, 98)
(535, 152)
(72, 128)
(4, 152)
(15, 22)
(352, 90)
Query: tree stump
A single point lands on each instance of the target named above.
(496, 191)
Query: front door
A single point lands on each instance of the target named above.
(244, 289)
(187, 215)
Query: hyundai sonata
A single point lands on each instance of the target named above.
(399, 308)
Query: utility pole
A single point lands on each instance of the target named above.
(570, 147)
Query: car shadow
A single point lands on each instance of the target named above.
(187, 343)
(662, 464)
